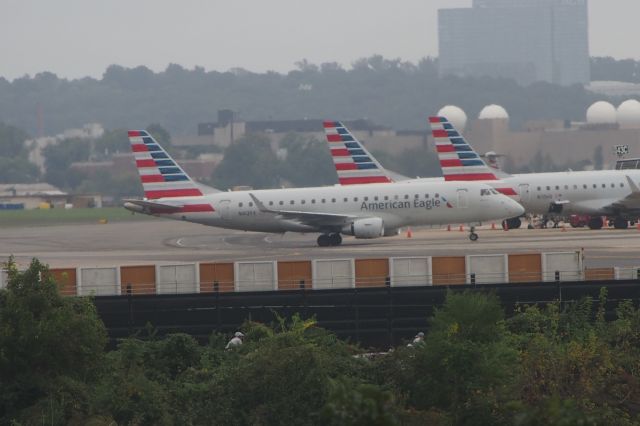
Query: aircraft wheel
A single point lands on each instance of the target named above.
(335, 239)
(620, 223)
(596, 223)
(473, 236)
(324, 240)
(514, 223)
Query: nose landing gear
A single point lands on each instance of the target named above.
(472, 235)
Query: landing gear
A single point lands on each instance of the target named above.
(326, 240)
(514, 223)
(620, 223)
(595, 223)
(472, 235)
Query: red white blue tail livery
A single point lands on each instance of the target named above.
(457, 159)
(161, 176)
(354, 164)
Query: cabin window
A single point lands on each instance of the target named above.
(621, 185)
(386, 197)
(406, 197)
(375, 198)
(313, 201)
(416, 196)
(539, 188)
(323, 201)
(575, 186)
(366, 198)
(584, 186)
(291, 202)
(548, 188)
(270, 203)
(566, 187)
(250, 204)
(333, 200)
(345, 199)
(595, 186)
(281, 203)
(355, 199)
(437, 195)
(557, 187)
(396, 197)
(239, 204)
(613, 185)
(604, 185)
(302, 202)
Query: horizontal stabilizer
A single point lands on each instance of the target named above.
(148, 206)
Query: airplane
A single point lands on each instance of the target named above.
(363, 211)
(597, 193)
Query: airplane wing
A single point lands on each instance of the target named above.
(631, 203)
(319, 220)
(145, 205)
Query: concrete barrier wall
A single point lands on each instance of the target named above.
(487, 268)
(567, 264)
(410, 271)
(98, 281)
(295, 275)
(174, 279)
(66, 278)
(371, 272)
(629, 273)
(255, 276)
(333, 273)
(217, 277)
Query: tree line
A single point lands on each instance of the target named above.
(550, 364)
(390, 92)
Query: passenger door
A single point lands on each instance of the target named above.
(463, 198)
(224, 209)
(523, 191)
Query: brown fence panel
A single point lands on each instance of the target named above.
(371, 272)
(448, 270)
(216, 277)
(525, 267)
(599, 274)
(66, 279)
(294, 275)
(142, 279)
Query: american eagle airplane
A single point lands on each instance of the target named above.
(597, 193)
(364, 211)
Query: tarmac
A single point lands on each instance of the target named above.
(164, 241)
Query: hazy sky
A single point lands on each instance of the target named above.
(77, 38)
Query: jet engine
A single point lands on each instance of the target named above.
(372, 227)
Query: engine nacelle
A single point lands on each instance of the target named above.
(372, 227)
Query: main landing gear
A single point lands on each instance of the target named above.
(472, 235)
(326, 240)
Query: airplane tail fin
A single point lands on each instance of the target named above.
(161, 176)
(354, 164)
(457, 158)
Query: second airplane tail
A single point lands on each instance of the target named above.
(457, 158)
(354, 164)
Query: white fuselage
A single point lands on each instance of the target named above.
(397, 204)
(581, 192)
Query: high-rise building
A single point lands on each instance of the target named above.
(527, 40)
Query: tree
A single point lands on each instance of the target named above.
(17, 170)
(49, 345)
(248, 161)
(308, 161)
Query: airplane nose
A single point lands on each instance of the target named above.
(513, 208)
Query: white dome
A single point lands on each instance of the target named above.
(455, 115)
(629, 114)
(601, 112)
(492, 112)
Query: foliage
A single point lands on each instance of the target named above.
(551, 364)
(49, 345)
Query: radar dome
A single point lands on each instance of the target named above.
(629, 114)
(455, 115)
(492, 112)
(601, 112)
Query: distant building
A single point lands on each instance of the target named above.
(527, 40)
(31, 196)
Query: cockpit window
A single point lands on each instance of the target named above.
(488, 191)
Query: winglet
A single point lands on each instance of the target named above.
(260, 204)
(634, 187)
